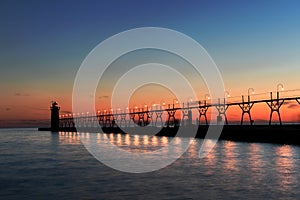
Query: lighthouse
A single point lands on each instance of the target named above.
(54, 116)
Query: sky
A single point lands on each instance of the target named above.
(43, 43)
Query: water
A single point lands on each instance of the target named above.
(41, 165)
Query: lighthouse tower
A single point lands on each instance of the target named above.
(54, 116)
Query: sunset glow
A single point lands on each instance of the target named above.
(254, 45)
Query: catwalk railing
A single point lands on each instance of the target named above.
(153, 115)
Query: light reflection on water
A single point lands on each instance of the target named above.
(146, 140)
(255, 156)
(193, 153)
(210, 157)
(136, 140)
(285, 167)
(231, 156)
(46, 164)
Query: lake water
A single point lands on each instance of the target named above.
(42, 165)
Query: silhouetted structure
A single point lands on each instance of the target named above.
(130, 119)
(151, 117)
(54, 116)
(112, 122)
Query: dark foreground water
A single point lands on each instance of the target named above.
(41, 165)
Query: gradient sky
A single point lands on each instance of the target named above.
(42, 44)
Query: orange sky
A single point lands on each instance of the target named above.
(18, 107)
(31, 106)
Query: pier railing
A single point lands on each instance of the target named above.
(154, 115)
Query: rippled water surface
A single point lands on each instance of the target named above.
(42, 165)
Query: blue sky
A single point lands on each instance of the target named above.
(42, 43)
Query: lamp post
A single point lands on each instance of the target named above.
(189, 100)
(279, 85)
(252, 92)
(162, 104)
(206, 97)
(226, 94)
(153, 106)
(176, 101)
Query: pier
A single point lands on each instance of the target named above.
(151, 120)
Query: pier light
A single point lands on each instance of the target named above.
(163, 104)
(207, 97)
(63, 116)
(250, 91)
(189, 99)
(104, 111)
(280, 85)
(152, 106)
(176, 101)
(146, 107)
(227, 94)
